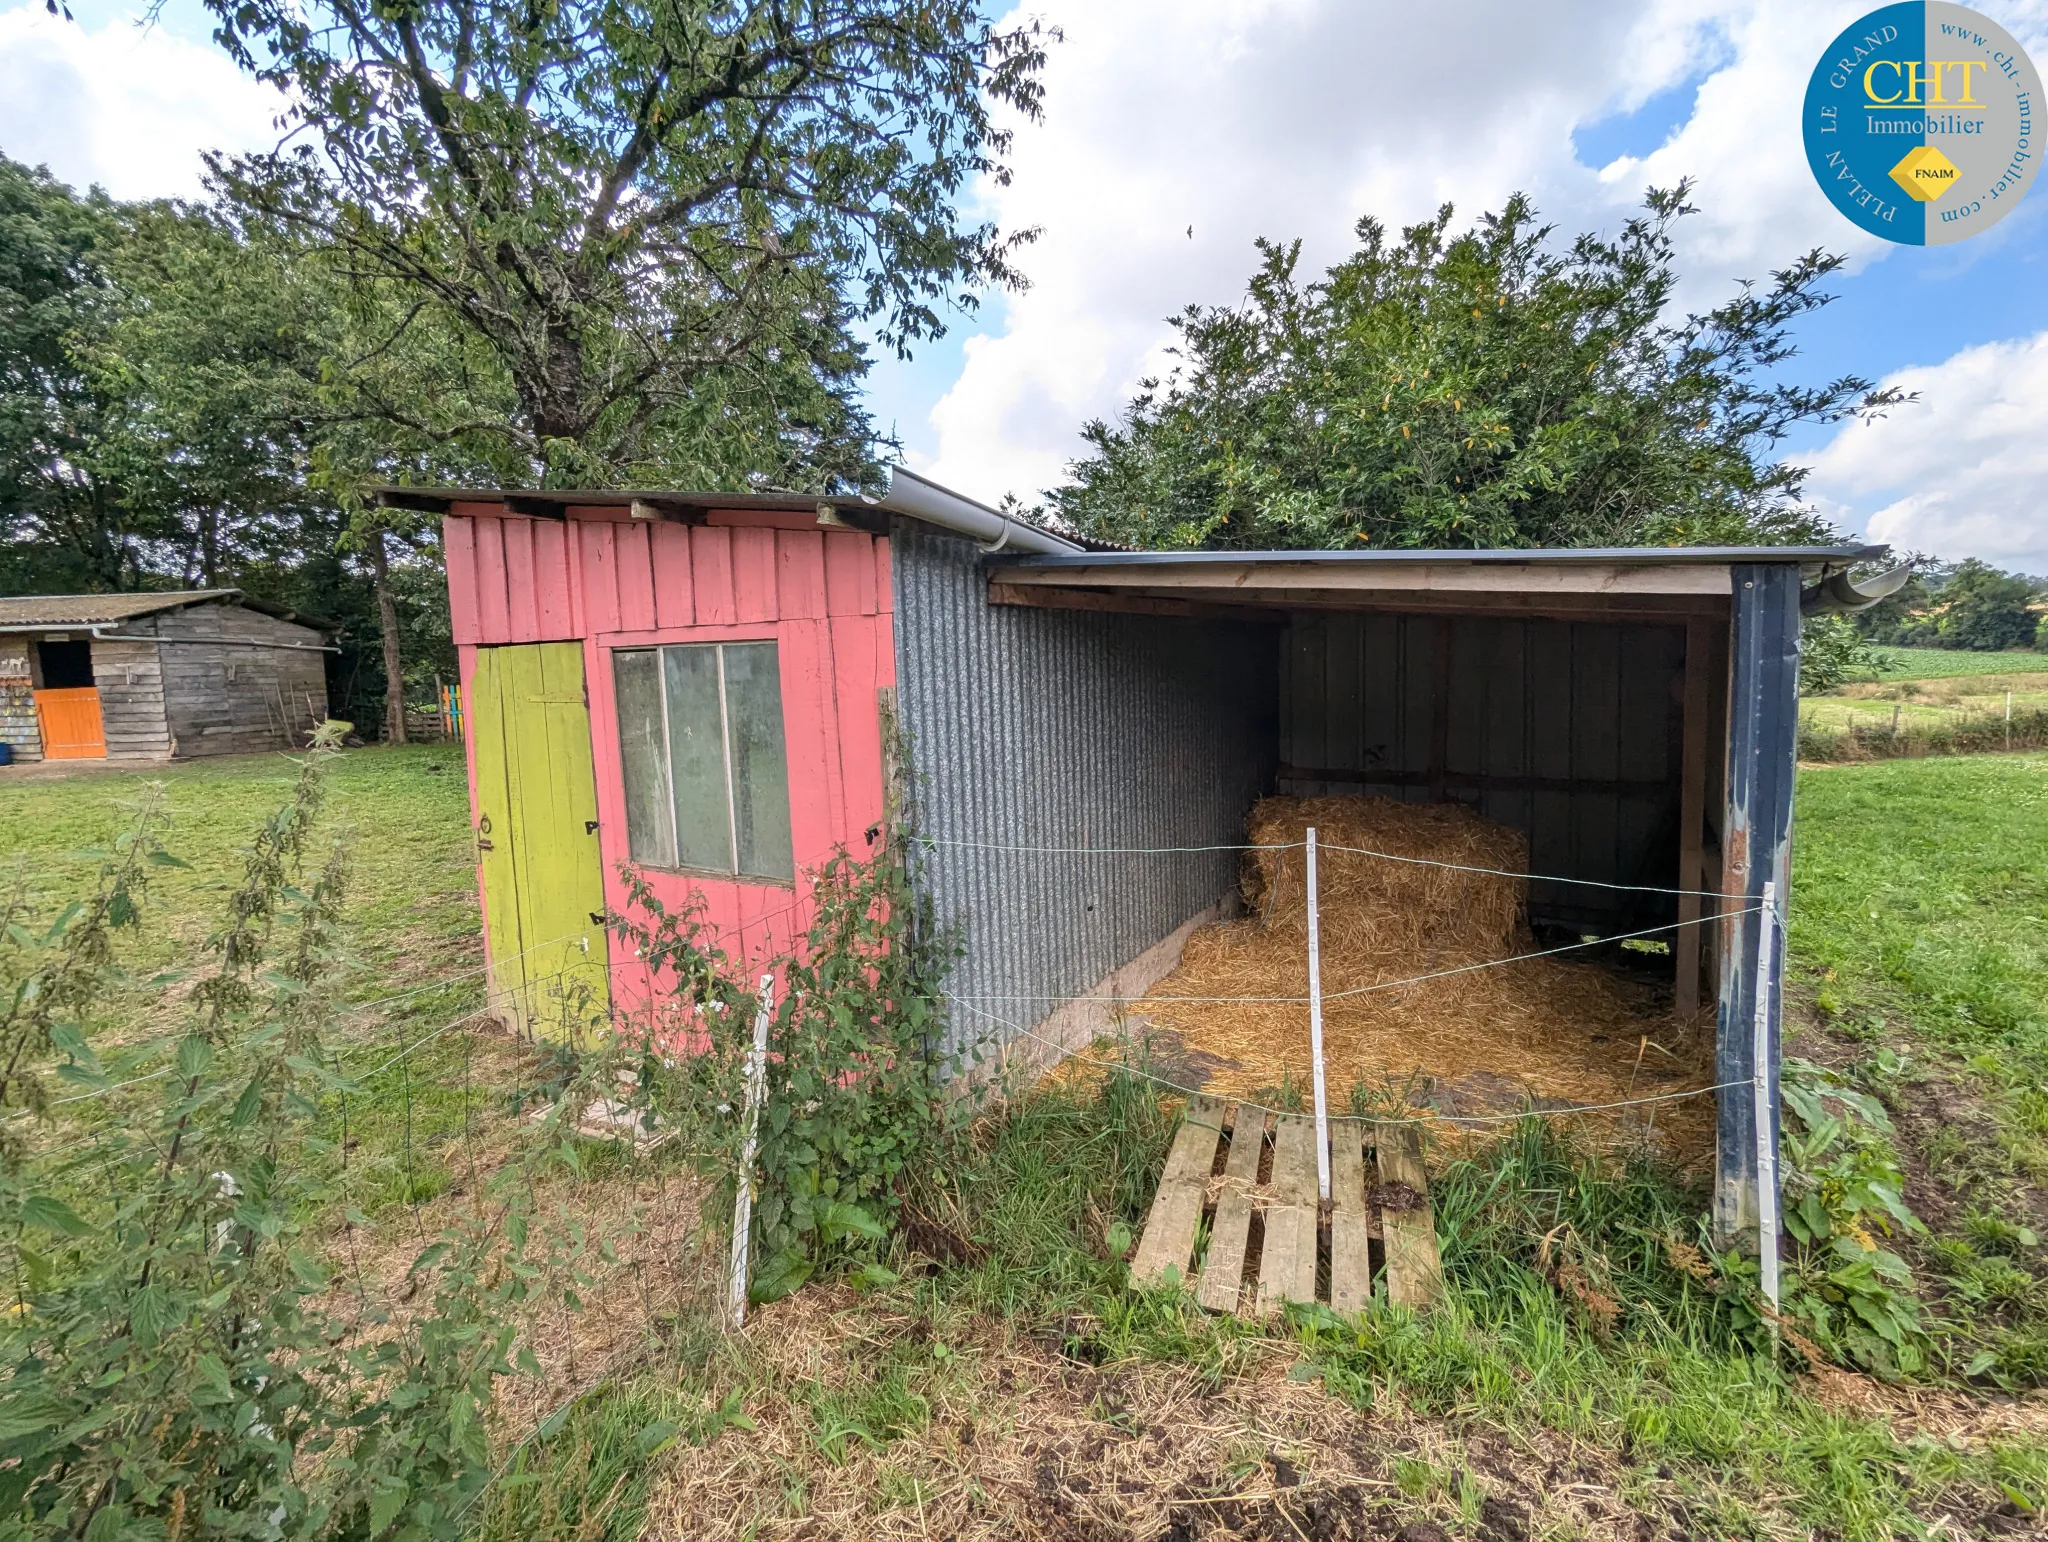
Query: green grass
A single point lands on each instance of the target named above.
(1920, 890)
(416, 954)
(1919, 922)
(1667, 1403)
(1919, 929)
(412, 911)
(1942, 663)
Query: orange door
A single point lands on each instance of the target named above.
(70, 723)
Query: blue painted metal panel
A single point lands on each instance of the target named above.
(1032, 727)
(1763, 734)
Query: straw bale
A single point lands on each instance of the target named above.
(1552, 1032)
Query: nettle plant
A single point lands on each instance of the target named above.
(855, 1085)
(175, 1361)
(1844, 1292)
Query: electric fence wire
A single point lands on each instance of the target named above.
(1126, 1068)
(1383, 985)
(1362, 851)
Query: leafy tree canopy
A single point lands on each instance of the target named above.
(1480, 388)
(181, 405)
(1980, 608)
(656, 222)
(1970, 605)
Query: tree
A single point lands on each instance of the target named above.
(181, 405)
(64, 522)
(1480, 389)
(1831, 650)
(655, 223)
(1897, 618)
(1980, 608)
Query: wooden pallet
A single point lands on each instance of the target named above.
(1251, 1176)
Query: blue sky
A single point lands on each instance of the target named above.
(1905, 305)
(1290, 118)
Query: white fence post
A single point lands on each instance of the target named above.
(1760, 1066)
(1315, 1023)
(743, 1197)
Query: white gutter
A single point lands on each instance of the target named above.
(912, 494)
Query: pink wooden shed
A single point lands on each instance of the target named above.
(549, 608)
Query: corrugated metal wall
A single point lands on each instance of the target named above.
(1515, 710)
(1033, 727)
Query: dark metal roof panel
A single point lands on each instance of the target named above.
(1509, 556)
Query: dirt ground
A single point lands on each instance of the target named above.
(1031, 1440)
(1035, 1442)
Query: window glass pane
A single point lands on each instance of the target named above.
(650, 819)
(760, 770)
(696, 758)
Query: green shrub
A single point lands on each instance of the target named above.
(855, 1071)
(2027, 730)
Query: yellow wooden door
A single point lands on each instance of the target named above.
(536, 826)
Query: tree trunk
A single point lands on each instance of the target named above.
(387, 620)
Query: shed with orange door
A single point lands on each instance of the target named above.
(157, 676)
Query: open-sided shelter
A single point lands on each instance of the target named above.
(694, 689)
(158, 676)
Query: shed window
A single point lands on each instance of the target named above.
(700, 737)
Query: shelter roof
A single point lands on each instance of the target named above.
(62, 610)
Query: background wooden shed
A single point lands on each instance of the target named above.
(158, 676)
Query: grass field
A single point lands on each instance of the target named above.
(1930, 701)
(1920, 921)
(1582, 1380)
(1945, 663)
(416, 954)
(1935, 702)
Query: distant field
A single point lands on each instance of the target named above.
(1933, 688)
(1924, 709)
(1944, 663)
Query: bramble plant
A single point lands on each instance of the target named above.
(1843, 1291)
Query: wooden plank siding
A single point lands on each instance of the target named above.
(228, 681)
(1567, 730)
(130, 678)
(601, 578)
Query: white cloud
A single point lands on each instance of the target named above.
(126, 107)
(1293, 117)
(1963, 472)
(1242, 118)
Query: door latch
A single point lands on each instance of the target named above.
(484, 845)
(596, 918)
(590, 827)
